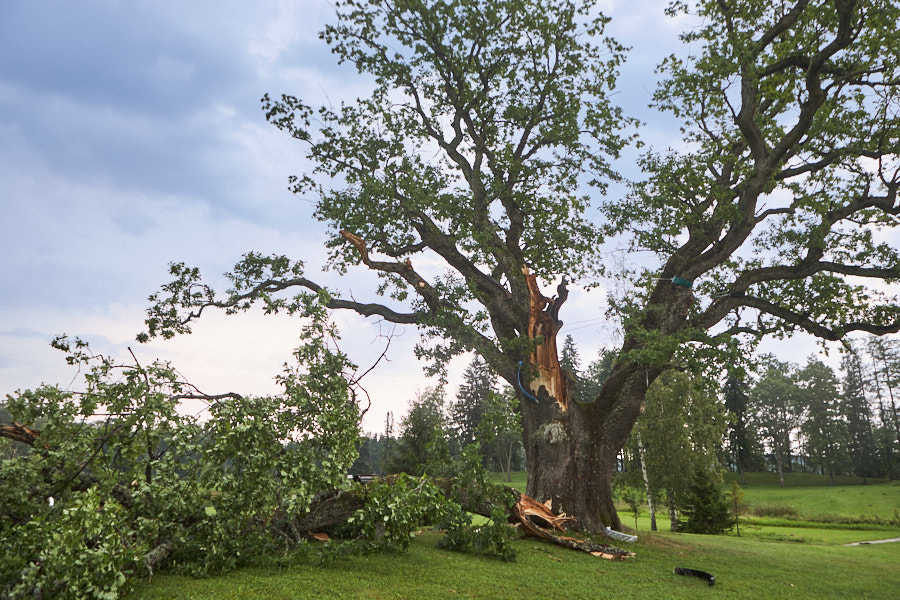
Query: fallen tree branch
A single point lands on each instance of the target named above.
(331, 510)
(19, 433)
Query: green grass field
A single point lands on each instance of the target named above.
(773, 558)
(812, 498)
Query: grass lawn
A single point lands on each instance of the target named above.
(519, 479)
(773, 558)
(744, 568)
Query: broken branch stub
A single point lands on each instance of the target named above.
(19, 433)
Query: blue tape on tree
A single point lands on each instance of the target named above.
(522, 387)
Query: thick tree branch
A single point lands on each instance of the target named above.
(819, 330)
(805, 269)
(815, 94)
(270, 286)
(496, 298)
(722, 307)
(784, 23)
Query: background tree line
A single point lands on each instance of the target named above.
(793, 418)
(436, 430)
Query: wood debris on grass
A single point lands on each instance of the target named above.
(537, 520)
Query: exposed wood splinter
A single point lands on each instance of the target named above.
(529, 513)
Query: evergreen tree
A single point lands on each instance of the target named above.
(595, 375)
(857, 412)
(885, 355)
(568, 357)
(479, 382)
(570, 363)
(744, 451)
(371, 455)
(706, 508)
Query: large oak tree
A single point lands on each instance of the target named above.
(486, 119)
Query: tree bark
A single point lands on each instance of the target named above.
(576, 451)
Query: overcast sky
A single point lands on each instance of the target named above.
(132, 136)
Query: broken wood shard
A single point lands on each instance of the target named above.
(529, 508)
(358, 242)
(544, 323)
(529, 513)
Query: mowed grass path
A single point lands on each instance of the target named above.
(760, 564)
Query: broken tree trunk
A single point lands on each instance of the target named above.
(571, 447)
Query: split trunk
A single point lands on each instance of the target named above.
(572, 448)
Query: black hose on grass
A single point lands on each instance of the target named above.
(701, 574)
